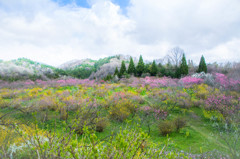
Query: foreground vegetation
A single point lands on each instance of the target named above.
(134, 118)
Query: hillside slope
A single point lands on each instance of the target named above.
(24, 68)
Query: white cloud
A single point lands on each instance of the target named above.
(44, 31)
(187, 22)
(229, 51)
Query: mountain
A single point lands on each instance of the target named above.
(24, 68)
(94, 69)
(77, 63)
(108, 67)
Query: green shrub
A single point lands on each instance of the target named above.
(213, 115)
(4, 103)
(88, 116)
(63, 113)
(108, 77)
(119, 112)
(166, 127)
(179, 123)
(101, 124)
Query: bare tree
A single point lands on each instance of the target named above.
(191, 67)
(235, 71)
(175, 56)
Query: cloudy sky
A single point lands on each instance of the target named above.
(56, 31)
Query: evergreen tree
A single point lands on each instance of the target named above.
(131, 67)
(177, 72)
(140, 66)
(116, 72)
(123, 69)
(147, 68)
(154, 69)
(162, 70)
(183, 70)
(202, 65)
(170, 70)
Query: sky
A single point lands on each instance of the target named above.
(57, 31)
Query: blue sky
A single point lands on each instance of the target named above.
(84, 3)
(55, 31)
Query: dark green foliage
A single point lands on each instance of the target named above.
(177, 72)
(122, 69)
(108, 78)
(79, 72)
(131, 67)
(180, 123)
(60, 72)
(183, 67)
(140, 66)
(170, 70)
(162, 70)
(154, 69)
(170, 73)
(126, 75)
(101, 124)
(116, 72)
(103, 61)
(202, 65)
(147, 68)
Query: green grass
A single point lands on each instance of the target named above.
(202, 136)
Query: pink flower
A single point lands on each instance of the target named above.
(188, 80)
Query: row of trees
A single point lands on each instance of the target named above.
(176, 70)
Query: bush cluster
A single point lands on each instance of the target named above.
(167, 127)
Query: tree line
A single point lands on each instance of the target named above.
(178, 70)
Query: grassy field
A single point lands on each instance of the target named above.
(92, 113)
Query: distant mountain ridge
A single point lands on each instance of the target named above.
(76, 63)
(83, 62)
(23, 68)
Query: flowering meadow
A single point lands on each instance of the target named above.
(134, 118)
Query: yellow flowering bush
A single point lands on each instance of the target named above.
(122, 109)
(48, 102)
(4, 103)
(8, 94)
(212, 115)
(34, 92)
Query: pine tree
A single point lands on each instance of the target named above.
(140, 66)
(116, 72)
(183, 67)
(162, 70)
(147, 68)
(123, 69)
(177, 72)
(131, 67)
(202, 65)
(154, 69)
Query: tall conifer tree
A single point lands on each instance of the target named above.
(202, 65)
(154, 69)
(131, 67)
(183, 67)
(123, 69)
(116, 71)
(140, 66)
